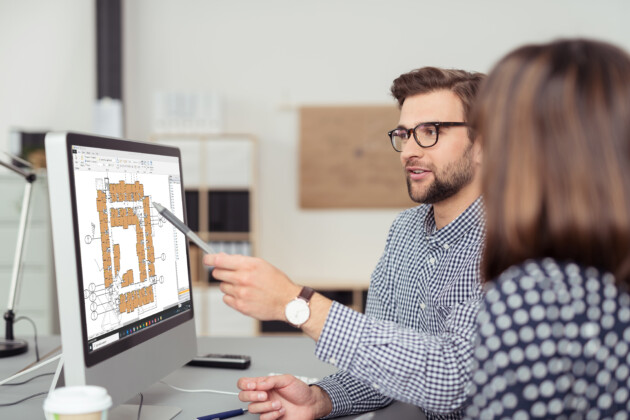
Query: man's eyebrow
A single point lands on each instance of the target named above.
(417, 123)
(414, 125)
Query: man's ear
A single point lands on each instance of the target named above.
(477, 152)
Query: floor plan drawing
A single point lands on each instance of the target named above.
(133, 249)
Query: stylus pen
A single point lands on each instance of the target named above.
(224, 415)
(183, 228)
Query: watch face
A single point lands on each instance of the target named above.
(297, 312)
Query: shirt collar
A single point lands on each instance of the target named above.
(448, 236)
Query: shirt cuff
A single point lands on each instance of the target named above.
(341, 402)
(340, 337)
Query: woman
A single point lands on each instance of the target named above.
(554, 335)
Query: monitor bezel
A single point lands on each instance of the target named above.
(133, 340)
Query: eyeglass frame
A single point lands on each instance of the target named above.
(436, 124)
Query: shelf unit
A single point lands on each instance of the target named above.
(223, 163)
(219, 174)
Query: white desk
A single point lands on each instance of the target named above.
(279, 354)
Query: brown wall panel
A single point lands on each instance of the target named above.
(346, 159)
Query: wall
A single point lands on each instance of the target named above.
(47, 65)
(47, 82)
(264, 55)
(265, 58)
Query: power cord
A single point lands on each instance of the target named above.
(28, 370)
(31, 369)
(212, 391)
(22, 383)
(30, 379)
(140, 405)
(23, 399)
(34, 328)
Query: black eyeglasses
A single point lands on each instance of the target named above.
(426, 134)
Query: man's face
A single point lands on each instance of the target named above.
(440, 171)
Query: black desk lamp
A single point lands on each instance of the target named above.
(9, 346)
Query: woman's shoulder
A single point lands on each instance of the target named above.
(548, 273)
(549, 282)
(557, 289)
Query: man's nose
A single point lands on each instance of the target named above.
(411, 149)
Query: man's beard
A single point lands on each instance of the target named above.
(449, 182)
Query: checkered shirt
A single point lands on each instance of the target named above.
(415, 342)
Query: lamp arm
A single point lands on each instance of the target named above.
(29, 176)
(17, 260)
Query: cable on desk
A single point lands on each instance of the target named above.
(211, 391)
(140, 405)
(24, 399)
(19, 318)
(35, 367)
(30, 379)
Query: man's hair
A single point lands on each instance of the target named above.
(431, 79)
(553, 120)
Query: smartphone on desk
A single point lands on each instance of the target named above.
(226, 361)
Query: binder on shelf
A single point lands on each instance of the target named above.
(192, 209)
(228, 211)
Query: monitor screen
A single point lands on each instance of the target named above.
(123, 283)
(133, 264)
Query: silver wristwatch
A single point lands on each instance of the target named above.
(297, 311)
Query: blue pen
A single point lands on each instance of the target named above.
(223, 415)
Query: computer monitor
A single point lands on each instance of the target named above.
(125, 306)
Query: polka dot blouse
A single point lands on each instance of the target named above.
(554, 342)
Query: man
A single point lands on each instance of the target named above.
(414, 343)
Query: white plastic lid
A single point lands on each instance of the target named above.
(78, 400)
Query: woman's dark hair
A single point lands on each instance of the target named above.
(554, 122)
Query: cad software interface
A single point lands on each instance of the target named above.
(133, 262)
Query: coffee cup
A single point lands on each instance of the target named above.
(78, 403)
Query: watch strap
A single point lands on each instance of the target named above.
(306, 294)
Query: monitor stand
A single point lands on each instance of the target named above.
(149, 412)
(126, 411)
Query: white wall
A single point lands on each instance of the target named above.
(262, 55)
(47, 65)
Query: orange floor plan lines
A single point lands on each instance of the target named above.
(149, 236)
(127, 278)
(126, 192)
(131, 300)
(101, 206)
(124, 206)
(134, 263)
(116, 259)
